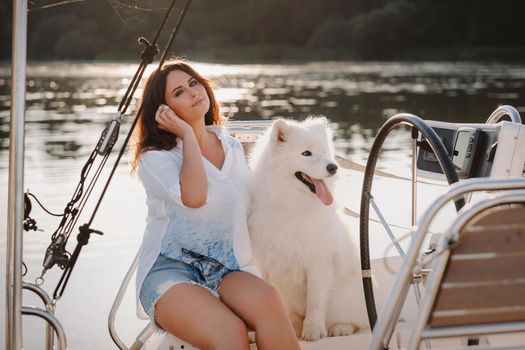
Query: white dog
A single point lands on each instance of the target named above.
(299, 239)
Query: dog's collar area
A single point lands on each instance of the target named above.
(305, 179)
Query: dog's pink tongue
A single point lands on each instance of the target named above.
(322, 191)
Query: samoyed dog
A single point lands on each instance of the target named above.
(300, 242)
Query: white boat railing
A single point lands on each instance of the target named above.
(50, 308)
(503, 111)
(146, 332)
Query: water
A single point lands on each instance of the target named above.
(68, 105)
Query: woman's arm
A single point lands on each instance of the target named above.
(193, 180)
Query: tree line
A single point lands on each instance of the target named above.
(278, 29)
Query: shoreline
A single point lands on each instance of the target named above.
(278, 54)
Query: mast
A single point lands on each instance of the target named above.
(15, 209)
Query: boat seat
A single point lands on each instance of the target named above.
(484, 280)
(478, 286)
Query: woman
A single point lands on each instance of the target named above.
(195, 277)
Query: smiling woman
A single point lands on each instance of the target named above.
(165, 86)
(196, 246)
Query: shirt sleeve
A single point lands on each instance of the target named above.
(159, 172)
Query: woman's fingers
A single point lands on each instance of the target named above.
(159, 113)
(168, 120)
(170, 114)
(161, 116)
(165, 112)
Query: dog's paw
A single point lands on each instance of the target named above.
(342, 329)
(313, 332)
(297, 323)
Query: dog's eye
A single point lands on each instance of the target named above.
(307, 153)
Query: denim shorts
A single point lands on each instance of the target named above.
(193, 269)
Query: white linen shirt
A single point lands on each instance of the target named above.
(218, 229)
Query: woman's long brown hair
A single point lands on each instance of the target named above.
(147, 135)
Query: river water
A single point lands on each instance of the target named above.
(68, 105)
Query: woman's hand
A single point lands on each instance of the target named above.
(167, 120)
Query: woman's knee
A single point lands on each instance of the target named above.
(270, 301)
(232, 334)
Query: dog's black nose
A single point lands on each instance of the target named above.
(332, 168)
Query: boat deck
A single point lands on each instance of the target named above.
(361, 340)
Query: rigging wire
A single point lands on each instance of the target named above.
(120, 17)
(123, 9)
(137, 8)
(43, 7)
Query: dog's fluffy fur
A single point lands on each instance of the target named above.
(299, 239)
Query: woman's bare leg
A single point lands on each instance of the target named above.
(193, 314)
(260, 306)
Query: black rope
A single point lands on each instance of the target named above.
(70, 212)
(42, 206)
(127, 98)
(77, 195)
(146, 58)
(150, 51)
(85, 197)
(174, 33)
(83, 239)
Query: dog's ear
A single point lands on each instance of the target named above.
(320, 121)
(279, 130)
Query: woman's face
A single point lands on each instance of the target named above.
(186, 96)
